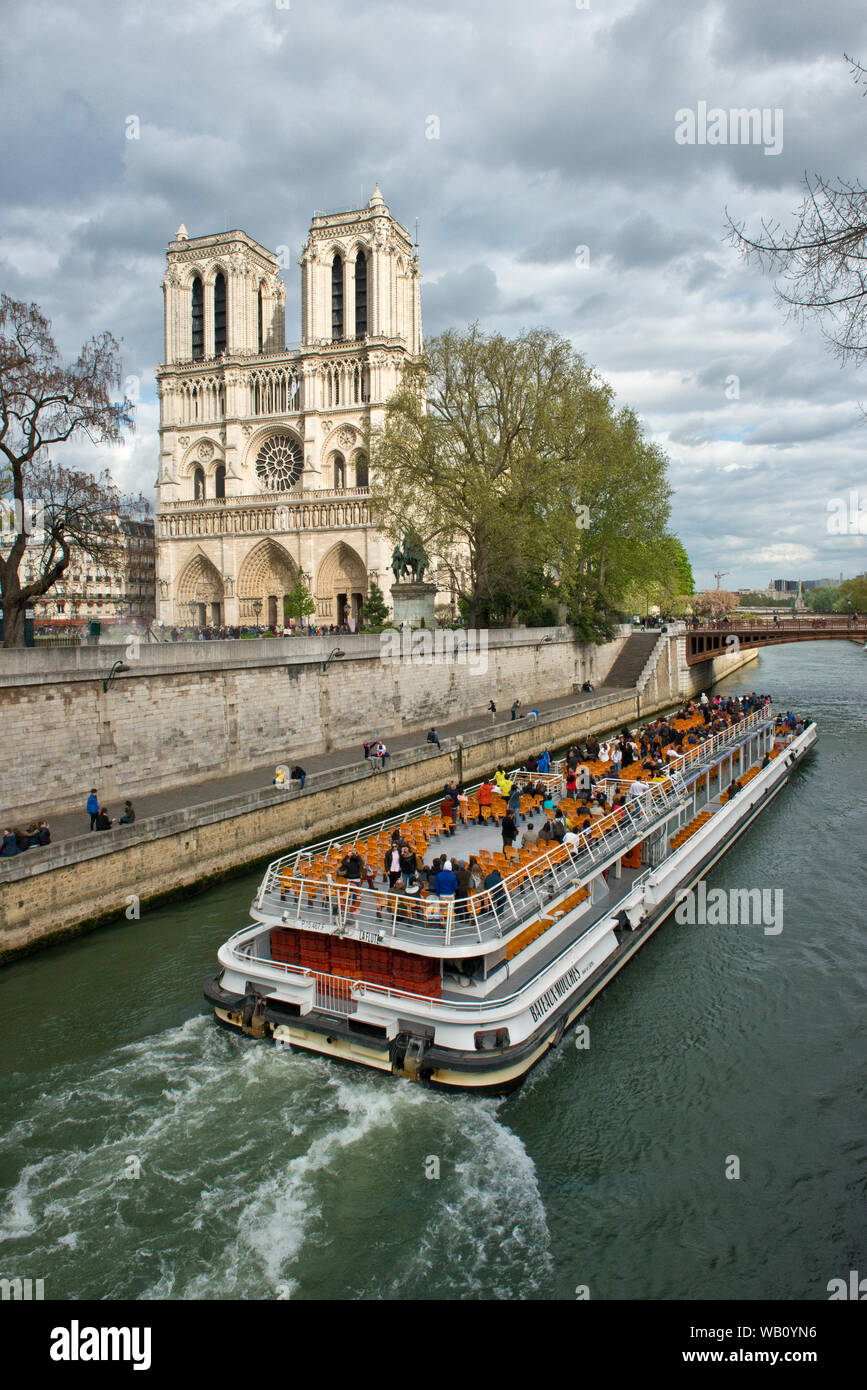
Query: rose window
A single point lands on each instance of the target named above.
(278, 465)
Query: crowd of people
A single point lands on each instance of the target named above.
(225, 634)
(17, 841)
(643, 754)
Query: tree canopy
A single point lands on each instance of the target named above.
(510, 461)
(44, 404)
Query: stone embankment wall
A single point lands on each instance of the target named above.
(58, 891)
(185, 712)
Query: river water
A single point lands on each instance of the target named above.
(147, 1154)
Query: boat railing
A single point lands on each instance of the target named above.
(675, 769)
(327, 902)
(345, 991)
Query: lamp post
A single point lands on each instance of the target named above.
(335, 656)
(257, 609)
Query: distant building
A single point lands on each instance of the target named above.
(90, 589)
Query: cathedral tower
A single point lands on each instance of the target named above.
(263, 470)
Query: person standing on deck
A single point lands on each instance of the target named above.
(509, 829)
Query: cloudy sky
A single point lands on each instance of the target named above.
(535, 143)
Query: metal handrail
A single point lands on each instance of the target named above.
(361, 988)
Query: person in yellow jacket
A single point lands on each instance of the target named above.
(503, 783)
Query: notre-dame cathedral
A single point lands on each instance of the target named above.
(263, 471)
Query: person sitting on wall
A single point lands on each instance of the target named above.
(10, 845)
(298, 775)
(103, 820)
(128, 816)
(279, 777)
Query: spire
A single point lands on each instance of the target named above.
(377, 201)
(182, 234)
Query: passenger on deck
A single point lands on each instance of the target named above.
(509, 829)
(492, 885)
(447, 812)
(446, 883)
(502, 781)
(530, 836)
(484, 796)
(544, 761)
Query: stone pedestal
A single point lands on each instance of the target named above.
(412, 602)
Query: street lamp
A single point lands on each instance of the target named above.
(544, 641)
(335, 655)
(257, 609)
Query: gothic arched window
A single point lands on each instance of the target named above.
(220, 481)
(219, 314)
(199, 485)
(361, 295)
(198, 319)
(336, 299)
(362, 475)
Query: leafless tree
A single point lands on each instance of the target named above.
(43, 404)
(822, 259)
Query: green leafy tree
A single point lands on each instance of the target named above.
(508, 459)
(375, 610)
(856, 591)
(299, 603)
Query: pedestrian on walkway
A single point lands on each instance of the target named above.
(433, 737)
(93, 807)
(516, 705)
(493, 708)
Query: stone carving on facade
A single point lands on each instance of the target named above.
(229, 586)
(205, 451)
(346, 437)
(183, 440)
(164, 588)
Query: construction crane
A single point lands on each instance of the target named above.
(720, 574)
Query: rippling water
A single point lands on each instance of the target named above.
(146, 1154)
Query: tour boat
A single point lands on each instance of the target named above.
(468, 994)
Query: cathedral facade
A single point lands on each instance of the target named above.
(263, 470)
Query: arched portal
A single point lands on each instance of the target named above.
(341, 585)
(267, 575)
(199, 594)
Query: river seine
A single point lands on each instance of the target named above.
(147, 1154)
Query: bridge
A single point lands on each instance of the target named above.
(718, 638)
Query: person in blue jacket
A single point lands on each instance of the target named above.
(93, 807)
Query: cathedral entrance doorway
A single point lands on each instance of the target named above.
(272, 610)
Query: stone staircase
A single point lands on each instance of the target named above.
(631, 661)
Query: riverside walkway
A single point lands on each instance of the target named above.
(71, 824)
